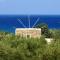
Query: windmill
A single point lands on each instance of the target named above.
(28, 32)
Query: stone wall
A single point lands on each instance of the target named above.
(28, 32)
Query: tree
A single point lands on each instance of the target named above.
(44, 30)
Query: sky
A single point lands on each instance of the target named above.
(39, 7)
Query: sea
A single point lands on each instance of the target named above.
(9, 23)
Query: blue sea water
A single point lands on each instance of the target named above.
(10, 22)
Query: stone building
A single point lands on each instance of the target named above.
(28, 32)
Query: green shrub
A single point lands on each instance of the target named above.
(17, 48)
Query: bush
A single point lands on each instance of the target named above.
(18, 48)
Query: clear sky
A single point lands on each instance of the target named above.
(48, 7)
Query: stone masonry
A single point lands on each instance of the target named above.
(28, 32)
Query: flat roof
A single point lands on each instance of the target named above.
(28, 28)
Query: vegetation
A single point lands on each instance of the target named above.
(44, 29)
(17, 48)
